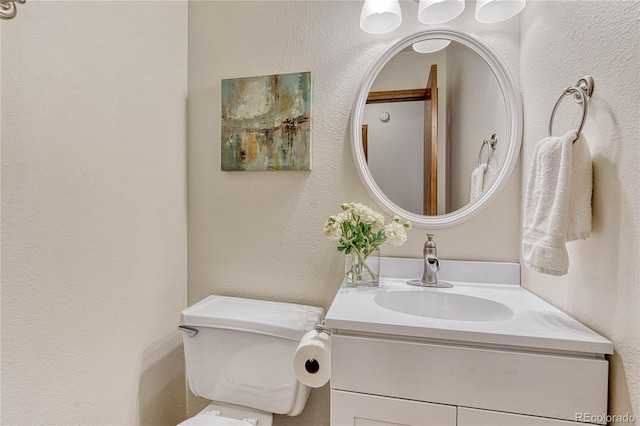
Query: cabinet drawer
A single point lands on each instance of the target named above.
(352, 409)
(536, 384)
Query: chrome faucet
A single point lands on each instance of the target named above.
(431, 262)
(431, 267)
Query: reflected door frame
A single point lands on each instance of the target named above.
(430, 96)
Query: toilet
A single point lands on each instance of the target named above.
(239, 355)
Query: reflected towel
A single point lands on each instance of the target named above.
(556, 209)
(481, 177)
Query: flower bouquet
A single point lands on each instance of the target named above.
(360, 232)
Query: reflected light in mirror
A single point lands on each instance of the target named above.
(439, 11)
(380, 16)
(430, 46)
(492, 11)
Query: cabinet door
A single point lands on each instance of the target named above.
(354, 409)
(473, 417)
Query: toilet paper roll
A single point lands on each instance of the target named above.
(312, 360)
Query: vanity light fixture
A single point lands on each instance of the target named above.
(383, 16)
(380, 16)
(436, 12)
(492, 11)
(439, 11)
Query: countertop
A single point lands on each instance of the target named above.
(533, 324)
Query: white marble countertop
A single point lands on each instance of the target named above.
(533, 324)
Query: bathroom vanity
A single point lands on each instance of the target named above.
(484, 352)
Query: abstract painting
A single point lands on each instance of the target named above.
(266, 123)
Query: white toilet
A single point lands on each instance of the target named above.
(239, 354)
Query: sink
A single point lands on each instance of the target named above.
(442, 305)
(486, 307)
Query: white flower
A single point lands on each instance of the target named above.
(333, 228)
(363, 240)
(378, 221)
(407, 224)
(396, 232)
(342, 217)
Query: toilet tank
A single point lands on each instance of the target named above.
(243, 352)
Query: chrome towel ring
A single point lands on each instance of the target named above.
(582, 92)
(8, 8)
(491, 145)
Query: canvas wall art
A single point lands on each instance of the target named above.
(266, 123)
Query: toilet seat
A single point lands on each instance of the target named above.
(207, 419)
(222, 414)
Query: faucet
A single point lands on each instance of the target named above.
(431, 267)
(431, 262)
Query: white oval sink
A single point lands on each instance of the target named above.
(441, 305)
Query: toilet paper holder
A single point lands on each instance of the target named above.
(320, 328)
(312, 359)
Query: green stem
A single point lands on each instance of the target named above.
(362, 261)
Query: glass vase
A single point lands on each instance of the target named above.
(361, 271)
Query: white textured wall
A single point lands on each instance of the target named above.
(561, 42)
(93, 213)
(259, 234)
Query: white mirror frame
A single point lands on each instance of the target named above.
(513, 107)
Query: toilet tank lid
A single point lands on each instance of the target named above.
(285, 320)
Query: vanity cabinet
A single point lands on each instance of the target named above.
(391, 380)
(485, 352)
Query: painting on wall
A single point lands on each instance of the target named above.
(266, 123)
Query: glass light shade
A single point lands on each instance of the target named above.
(430, 46)
(380, 16)
(439, 11)
(492, 11)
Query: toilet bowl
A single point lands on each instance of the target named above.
(239, 355)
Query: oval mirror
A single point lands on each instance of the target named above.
(436, 127)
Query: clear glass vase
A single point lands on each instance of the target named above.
(362, 271)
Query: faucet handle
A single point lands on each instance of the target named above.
(430, 242)
(430, 246)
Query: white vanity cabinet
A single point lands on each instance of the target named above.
(388, 381)
(484, 353)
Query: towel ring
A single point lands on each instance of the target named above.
(491, 144)
(582, 92)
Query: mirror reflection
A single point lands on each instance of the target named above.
(426, 120)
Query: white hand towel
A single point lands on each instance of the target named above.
(488, 176)
(579, 226)
(554, 185)
(477, 180)
(481, 177)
